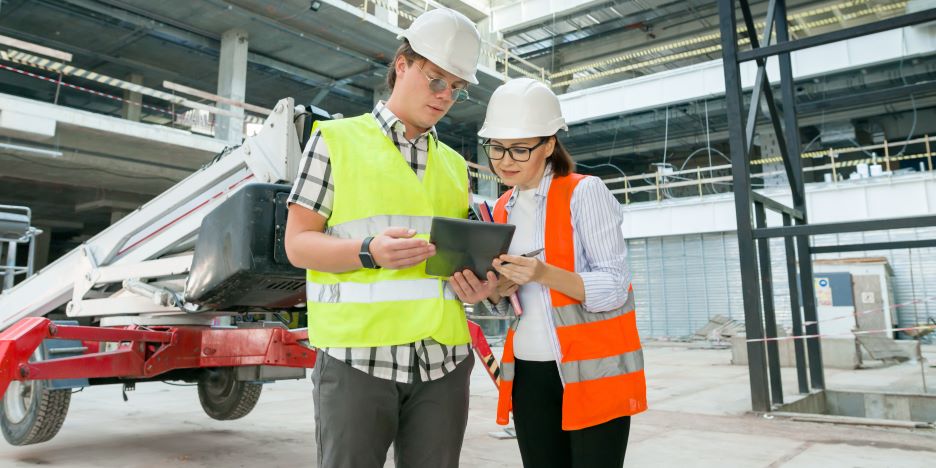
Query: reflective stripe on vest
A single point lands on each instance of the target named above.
(361, 228)
(602, 359)
(375, 189)
(384, 291)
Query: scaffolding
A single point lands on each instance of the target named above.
(16, 229)
(751, 207)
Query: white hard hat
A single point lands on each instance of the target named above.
(448, 39)
(522, 108)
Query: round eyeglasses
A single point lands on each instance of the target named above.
(517, 153)
(437, 85)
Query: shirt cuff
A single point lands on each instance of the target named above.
(602, 291)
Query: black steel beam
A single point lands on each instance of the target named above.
(760, 392)
(917, 244)
(770, 317)
(802, 378)
(764, 86)
(776, 206)
(851, 226)
(794, 164)
(810, 315)
(761, 78)
(909, 19)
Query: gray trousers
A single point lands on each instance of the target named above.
(358, 416)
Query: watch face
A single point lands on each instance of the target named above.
(367, 260)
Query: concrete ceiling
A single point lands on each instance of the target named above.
(336, 57)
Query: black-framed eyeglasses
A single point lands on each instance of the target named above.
(517, 153)
(437, 85)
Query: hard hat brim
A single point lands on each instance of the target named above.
(516, 132)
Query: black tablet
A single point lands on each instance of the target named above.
(464, 244)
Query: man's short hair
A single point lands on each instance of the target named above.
(405, 50)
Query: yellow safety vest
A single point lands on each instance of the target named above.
(375, 188)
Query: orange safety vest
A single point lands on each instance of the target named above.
(601, 360)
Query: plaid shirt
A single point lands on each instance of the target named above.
(314, 189)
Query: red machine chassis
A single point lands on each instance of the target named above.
(146, 352)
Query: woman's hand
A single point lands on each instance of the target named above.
(505, 287)
(521, 270)
(470, 289)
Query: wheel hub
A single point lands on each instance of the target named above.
(18, 399)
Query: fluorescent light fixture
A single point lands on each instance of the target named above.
(30, 151)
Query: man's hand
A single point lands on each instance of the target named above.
(470, 289)
(396, 249)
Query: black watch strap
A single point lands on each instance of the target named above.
(367, 260)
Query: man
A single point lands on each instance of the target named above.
(394, 360)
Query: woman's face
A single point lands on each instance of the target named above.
(522, 174)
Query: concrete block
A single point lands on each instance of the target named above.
(837, 353)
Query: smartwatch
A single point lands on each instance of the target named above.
(367, 260)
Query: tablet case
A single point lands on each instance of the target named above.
(464, 244)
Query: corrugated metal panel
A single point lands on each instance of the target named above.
(660, 311)
(781, 287)
(674, 280)
(682, 281)
(697, 292)
(637, 258)
(717, 275)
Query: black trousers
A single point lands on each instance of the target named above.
(537, 409)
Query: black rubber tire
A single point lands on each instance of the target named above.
(44, 414)
(223, 397)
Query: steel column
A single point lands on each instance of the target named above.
(788, 94)
(760, 393)
(810, 315)
(770, 318)
(802, 378)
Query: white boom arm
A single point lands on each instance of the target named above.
(132, 247)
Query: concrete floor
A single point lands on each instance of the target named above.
(698, 417)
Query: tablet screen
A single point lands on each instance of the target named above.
(464, 244)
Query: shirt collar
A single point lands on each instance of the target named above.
(389, 122)
(541, 191)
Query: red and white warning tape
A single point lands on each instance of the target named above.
(856, 332)
(82, 88)
(873, 311)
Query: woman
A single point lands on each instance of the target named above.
(572, 370)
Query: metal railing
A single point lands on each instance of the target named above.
(706, 180)
(16, 230)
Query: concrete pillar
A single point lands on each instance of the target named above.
(43, 241)
(487, 188)
(487, 58)
(132, 109)
(232, 83)
(386, 10)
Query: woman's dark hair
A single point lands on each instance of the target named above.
(560, 159)
(406, 50)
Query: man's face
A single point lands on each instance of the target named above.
(422, 107)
